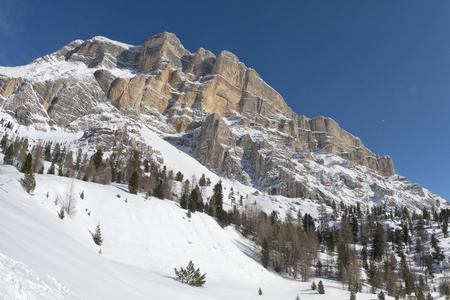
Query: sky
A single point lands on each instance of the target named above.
(381, 69)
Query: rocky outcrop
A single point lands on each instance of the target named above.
(235, 123)
(8, 86)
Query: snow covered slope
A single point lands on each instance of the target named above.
(43, 257)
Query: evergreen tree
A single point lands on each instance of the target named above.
(260, 291)
(9, 155)
(51, 170)
(133, 185)
(381, 296)
(97, 159)
(352, 295)
(29, 183)
(313, 286)
(27, 165)
(158, 192)
(61, 213)
(179, 176)
(190, 275)
(97, 237)
(183, 201)
(321, 288)
(265, 253)
(222, 215)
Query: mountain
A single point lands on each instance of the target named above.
(212, 106)
(100, 110)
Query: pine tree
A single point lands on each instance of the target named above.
(97, 237)
(97, 159)
(61, 213)
(27, 165)
(9, 154)
(352, 295)
(313, 286)
(51, 170)
(179, 176)
(321, 288)
(381, 296)
(265, 253)
(260, 291)
(190, 275)
(29, 183)
(134, 183)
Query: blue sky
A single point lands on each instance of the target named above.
(381, 68)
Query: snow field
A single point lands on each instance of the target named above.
(143, 241)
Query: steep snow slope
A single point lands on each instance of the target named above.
(44, 257)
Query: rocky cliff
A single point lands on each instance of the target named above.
(233, 121)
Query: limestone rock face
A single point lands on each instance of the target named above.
(234, 122)
(9, 86)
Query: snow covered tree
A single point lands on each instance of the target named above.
(190, 275)
(97, 237)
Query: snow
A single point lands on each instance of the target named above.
(44, 257)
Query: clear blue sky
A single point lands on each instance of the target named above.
(380, 68)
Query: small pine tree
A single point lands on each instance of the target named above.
(29, 183)
(82, 195)
(134, 183)
(381, 296)
(320, 288)
(61, 213)
(260, 292)
(313, 286)
(97, 237)
(352, 295)
(190, 275)
(297, 298)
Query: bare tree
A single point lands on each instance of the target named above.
(69, 202)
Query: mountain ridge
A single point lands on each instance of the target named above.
(161, 80)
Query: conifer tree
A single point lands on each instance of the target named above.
(260, 291)
(133, 185)
(27, 165)
(28, 182)
(9, 155)
(321, 288)
(97, 237)
(61, 213)
(190, 275)
(265, 253)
